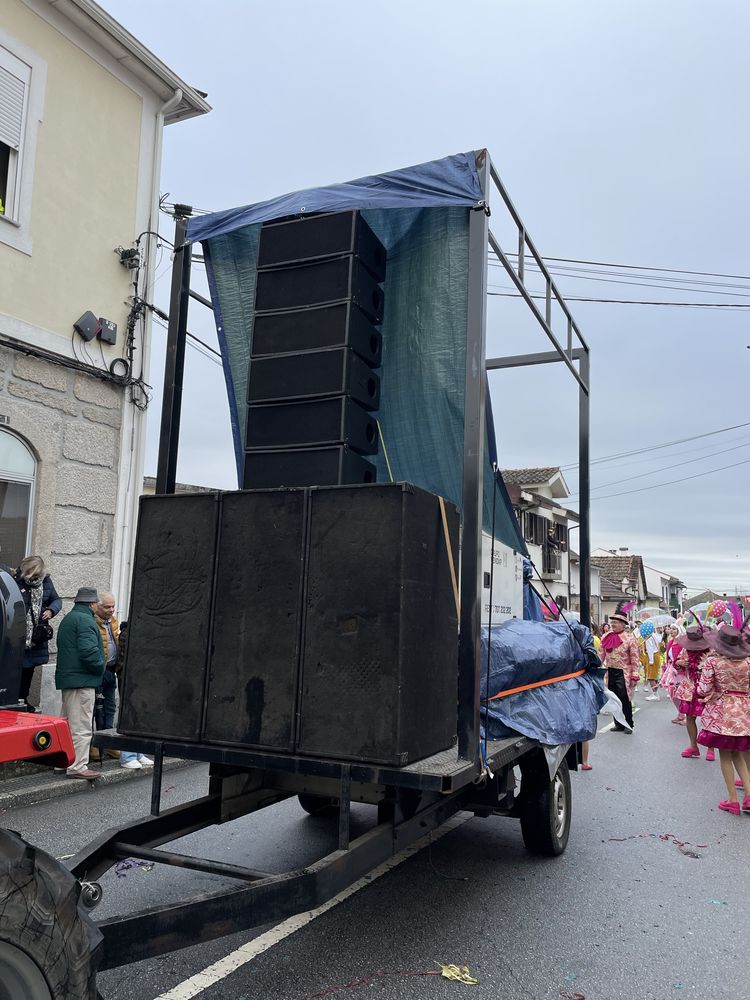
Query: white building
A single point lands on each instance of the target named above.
(82, 108)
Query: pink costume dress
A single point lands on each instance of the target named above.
(686, 692)
(673, 674)
(726, 716)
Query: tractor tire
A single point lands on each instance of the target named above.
(545, 808)
(49, 948)
(318, 805)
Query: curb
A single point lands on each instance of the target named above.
(28, 790)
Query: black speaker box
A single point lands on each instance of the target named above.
(340, 325)
(316, 236)
(170, 613)
(252, 687)
(379, 657)
(306, 467)
(317, 373)
(338, 420)
(317, 283)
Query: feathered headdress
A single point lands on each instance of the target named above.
(736, 613)
(624, 607)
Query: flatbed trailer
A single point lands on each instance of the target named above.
(515, 777)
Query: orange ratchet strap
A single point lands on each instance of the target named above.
(536, 684)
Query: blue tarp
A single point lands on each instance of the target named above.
(421, 215)
(522, 652)
(532, 606)
(451, 181)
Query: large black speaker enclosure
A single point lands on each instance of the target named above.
(338, 420)
(339, 325)
(315, 236)
(318, 283)
(330, 466)
(316, 373)
(252, 687)
(380, 648)
(168, 633)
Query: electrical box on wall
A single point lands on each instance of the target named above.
(86, 327)
(107, 331)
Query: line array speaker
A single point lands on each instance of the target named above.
(312, 284)
(341, 324)
(313, 374)
(310, 237)
(314, 421)
(318, 300)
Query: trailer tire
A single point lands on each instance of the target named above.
(318, 805)
(545, 810)
(49, 948)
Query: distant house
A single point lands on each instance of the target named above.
(705, 597)
(596, 582)
(545, 523)
(623, 578)
(665, 589)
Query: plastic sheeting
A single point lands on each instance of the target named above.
(522, 652)
(450, 181)
(424, 326)
(532, 606)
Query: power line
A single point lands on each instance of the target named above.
(656, 447)
(651, 283)
(633, 302)
(643, 267)
(673, 482)
(654, 472)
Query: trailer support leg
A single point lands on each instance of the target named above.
(345, 809)
(156, 779)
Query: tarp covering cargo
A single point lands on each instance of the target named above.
(421, 216)
(525, 652)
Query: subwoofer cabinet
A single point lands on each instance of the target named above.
(380, 644)
(318, 621)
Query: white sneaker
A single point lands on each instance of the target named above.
(131, 764)
(145, 761)
(652, 697)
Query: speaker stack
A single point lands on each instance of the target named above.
(313, 386)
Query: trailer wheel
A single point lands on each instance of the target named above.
(545, 810)
(49, 949)
(318, 805)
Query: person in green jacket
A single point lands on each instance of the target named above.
(79, 672)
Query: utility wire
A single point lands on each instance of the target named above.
(573, 271)
(673, 482)
(632, 302)
(656, 447)
(642, 267)
(650, 284)
(654, 472)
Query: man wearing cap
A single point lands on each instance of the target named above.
(79, 672)
(620, 655)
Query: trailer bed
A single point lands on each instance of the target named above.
(444, 772)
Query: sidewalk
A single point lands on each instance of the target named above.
(41, 786)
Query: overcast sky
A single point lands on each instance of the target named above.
(620, 131)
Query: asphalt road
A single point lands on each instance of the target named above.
(648, 903)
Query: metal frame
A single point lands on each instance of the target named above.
(411, 800)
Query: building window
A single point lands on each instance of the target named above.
(534, 528)
(17, 477)
(23, 77)
(15, 79)
(561, 536)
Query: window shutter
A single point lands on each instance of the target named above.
(12, 97)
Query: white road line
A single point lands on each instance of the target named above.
(247, 952)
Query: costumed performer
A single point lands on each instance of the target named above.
(619, 656)
(689, 662)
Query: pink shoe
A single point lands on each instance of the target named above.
(746, 804)
(739, 784)
(679, 721)
(710, 755)
(588, 767)
(690, 752)
(730, 807)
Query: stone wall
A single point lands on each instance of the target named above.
(72, 423)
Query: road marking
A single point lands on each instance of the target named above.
(247, 952)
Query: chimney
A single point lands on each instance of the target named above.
(623, 548)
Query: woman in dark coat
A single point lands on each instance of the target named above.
(42, 602)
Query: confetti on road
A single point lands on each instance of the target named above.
(455, 973)
(683, 846)
(129, 864)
